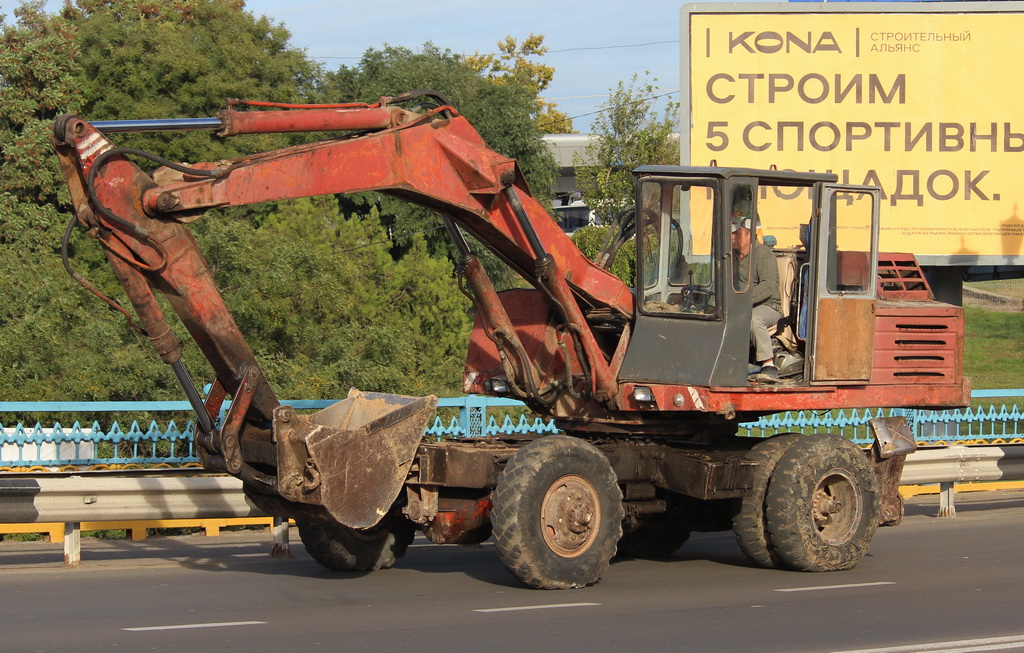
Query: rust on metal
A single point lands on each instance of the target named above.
(703, 474)
(308, 120)
(228, 442)
(461, 464)
(893, 442)
(776, 398)
(460, 521)
(893, 436)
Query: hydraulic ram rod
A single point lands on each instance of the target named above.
(163, 125)
(233, 123)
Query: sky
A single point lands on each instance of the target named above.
(592, 44)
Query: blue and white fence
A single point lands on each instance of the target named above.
(116, 446)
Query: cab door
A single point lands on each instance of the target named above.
(844, 262)
(684, 330)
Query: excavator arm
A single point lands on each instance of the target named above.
(433, 158)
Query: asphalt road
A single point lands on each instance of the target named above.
(931, 584)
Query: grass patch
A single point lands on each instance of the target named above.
(23, 537)
(993, 348)
(1007, 287)
(113, 534)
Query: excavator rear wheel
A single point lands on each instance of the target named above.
(822, 505)
(341, 548)
(748, 522)
(557, 513)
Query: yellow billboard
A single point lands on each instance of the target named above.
(922, 100)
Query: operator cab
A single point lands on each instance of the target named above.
(694, 292)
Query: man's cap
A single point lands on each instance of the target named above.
(740, 223)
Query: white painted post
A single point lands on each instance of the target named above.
(280, 531)
(946, 507)
(72, 544)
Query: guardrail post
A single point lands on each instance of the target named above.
(946, 506)
(72, 544)
(280, 530)
(473, 416)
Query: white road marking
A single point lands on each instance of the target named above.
(834, 587)
(549, 606)
(188, 626)
(954, 646)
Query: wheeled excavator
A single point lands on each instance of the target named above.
(648, 383)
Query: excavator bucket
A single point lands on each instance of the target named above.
(352, 457)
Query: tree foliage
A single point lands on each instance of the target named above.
(38, 81)
(512, 64)
(589, 241)
(326, 307)
(329, 291)
(321, 314)
(627, 133)
(501, 113)
(183, 59)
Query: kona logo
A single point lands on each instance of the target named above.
(772, 42)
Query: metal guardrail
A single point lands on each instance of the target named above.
(47, 498)
(84, 499)
(72, 500)
(27, 446)
(24, 446)
(962, 464)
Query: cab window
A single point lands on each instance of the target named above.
(675, 239)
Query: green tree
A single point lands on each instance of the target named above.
(183, 59)
(128, 59)
(322, 314)
(124, 59)
(38, 81)
(327, 300)
(627, 133)
(326, 313)
(512, 64)
(589, 241)
(501, 113)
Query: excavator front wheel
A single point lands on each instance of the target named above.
(341, 548)
(557, 513)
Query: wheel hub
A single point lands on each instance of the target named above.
(570, 516)
(837, 508)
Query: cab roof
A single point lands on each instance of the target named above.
(769, 177)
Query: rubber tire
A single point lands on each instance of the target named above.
(518, 509)
(748, 521)
(657, 537)
(796, 539)
(341, 548)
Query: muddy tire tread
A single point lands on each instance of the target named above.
(341, 548)
(748, 522)
(790, 525)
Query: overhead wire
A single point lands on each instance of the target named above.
(548, 51)
(591, 113)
